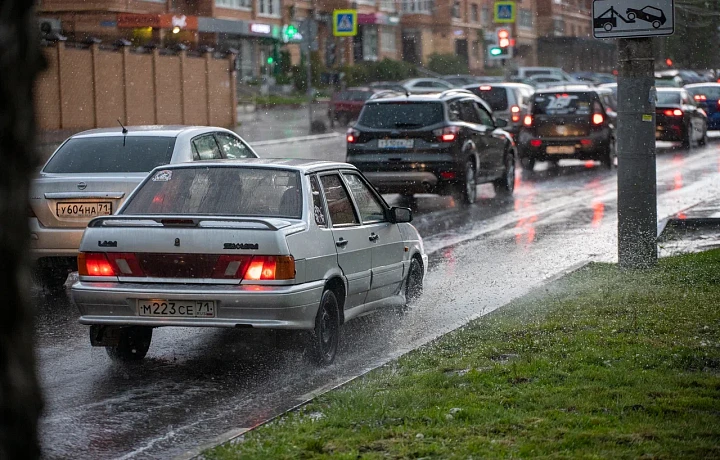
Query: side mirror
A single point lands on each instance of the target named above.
(399, 215)
(501, 123)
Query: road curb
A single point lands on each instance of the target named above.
(234, 435)
(290, 140)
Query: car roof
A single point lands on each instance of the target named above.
(301, 165)
(700, 85)
(500, 84)
(148, 130)
(438, 96)
(669, 89)
(572, 89)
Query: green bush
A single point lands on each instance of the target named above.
(385, 70)
(447, 64)
(298, 73)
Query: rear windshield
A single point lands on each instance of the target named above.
(111, 154)
(665, 98)
(410, 115)
(260, 192)
(710, 92)
(495, 97)
(563, 103)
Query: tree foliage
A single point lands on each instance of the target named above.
(447, 64)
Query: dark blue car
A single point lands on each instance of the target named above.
(707, 96)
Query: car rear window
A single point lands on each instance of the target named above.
(260, 192)
(668, 97)
(111, 154)
(496, 97)
(353, 95)
(409, 115)
(563, 103)
(710, 92)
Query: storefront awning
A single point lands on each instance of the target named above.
(157, 21)
(243, 28)
(378, 18)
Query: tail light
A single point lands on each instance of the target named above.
(700, 97)
(447, 134)
(231, 266)
(485, 88)
(352, 135)
(94, 264)
(535, 142)
(270, 268)
(528, 121)
(598, 118)
(673, 113)
(125, 263)
(515, 111)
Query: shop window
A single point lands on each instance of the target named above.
(387, 40)
(370, 43)
(525, 18)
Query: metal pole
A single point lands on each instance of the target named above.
(309, 41)
(637, 193)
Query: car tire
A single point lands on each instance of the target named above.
(527, 163)
(133, 345)
(704, 139)
(466, 189)
(505, 185)
(52, 279)
(687, 138)
(414, 282)
(608, 157)
(325, 336)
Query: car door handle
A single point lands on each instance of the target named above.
(374, 237)
(341, 243)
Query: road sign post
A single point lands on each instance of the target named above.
(635, 22)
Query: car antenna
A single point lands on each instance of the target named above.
(124, 129)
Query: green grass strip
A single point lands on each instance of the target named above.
(604, 363)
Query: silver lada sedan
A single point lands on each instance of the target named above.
(300, 245)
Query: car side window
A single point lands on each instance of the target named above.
(485, 117)
(206, 148)
(232, 147)
(318, 205)
(454, 111)
(468, 113)
(424, 84)
(342, 211)
(371, 210)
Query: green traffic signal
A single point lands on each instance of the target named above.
(270, 60)
(496, 51)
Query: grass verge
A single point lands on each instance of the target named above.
(601, 364)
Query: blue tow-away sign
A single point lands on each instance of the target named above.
(633, 18)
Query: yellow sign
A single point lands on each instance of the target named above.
(504, 12)
(647, 117)
(345, 23)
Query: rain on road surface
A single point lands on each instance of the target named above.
(196, 385)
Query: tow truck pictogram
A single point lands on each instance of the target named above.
(607, 22)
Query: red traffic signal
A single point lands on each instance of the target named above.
(503, 38)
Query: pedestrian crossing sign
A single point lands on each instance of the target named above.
(345, 23)
(504, 12)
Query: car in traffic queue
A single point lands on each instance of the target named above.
(426, 85)
(443, 143)
(345, 105)
(296, 245)
(509, 101)
(707, 97)
(91, 173)
(569, 122)
(678, 118)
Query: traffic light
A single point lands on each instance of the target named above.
(270, 60)
(498, 52)
(503, 38)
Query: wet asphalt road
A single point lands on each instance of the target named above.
(196, 385)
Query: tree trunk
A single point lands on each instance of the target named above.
(20, 61)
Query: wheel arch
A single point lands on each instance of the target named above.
(337, 285)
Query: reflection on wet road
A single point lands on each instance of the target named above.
(196, 385)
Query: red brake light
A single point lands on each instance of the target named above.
(270, 268)
(231, 266)
(94, 264)
(598, 118)
(447, 175)
(700, 97)
(673, 113)
(125, 264)
(585, 142)
(447, 134)
(515, 111)
(485, 88)
(352, 135)
(535, 142)
(528, 121)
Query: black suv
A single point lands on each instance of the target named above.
(569, 122)
(444, 143)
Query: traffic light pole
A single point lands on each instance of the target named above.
(637, 192)
(308, 67)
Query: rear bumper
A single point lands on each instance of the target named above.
(271, 307)
(53, 242)
(670, 132)
(599, 145)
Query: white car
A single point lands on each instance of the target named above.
(92, 173)
(426, 85)
(299, 245)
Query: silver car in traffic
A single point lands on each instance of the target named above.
(300, 245)
(92, 173)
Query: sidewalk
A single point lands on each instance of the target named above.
(263, 124)
(695, 229)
